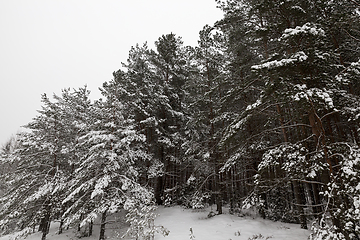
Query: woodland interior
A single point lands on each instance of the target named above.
(263, 114)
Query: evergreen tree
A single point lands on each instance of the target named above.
(207, 117)
(263, 113)
(42, 167)
(6, 166)
(296, 113)
(154, 86)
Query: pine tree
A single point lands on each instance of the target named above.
(6, 165)
(295, 119)
(154, 86)
(106, 176)
(42, 166)
(206, 89)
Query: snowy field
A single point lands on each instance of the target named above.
(179, 221)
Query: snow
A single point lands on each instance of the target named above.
(101, 184)
(226, 226)
(179, 221)
(306, 28)
(192, 178)
(322, 94)
(312, 174)
(298, 8)
(254, 105)
(114, 230)
(296, 57)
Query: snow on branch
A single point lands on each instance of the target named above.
(295, 58)
(307, 28)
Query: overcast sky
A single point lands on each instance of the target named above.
(48, 45)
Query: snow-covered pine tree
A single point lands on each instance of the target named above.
(170, 69)
(206, 88)
(106, 175)
(42, 169)
(6, 165)
(297, 120)
(74, 105)
(153, 85)
(140, 91)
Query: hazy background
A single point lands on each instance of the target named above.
(48, 45)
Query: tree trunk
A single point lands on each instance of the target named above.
(61, 219)
(90, 228)
(102, 226)
(281, 119)
(298, 204)
(264, 207)
(61, 226)
(78, 226)
(158, 190)
(319, 136)
(45, 223)
(230, 189)
(317, 209)
(42, 224)
(308, 194)
(218, 197)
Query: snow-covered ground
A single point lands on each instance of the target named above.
(179, 221)
(223, 227)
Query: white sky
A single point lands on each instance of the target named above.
(48, 45)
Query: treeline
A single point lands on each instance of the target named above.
(264, 113)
